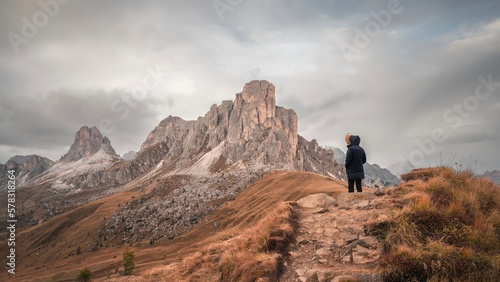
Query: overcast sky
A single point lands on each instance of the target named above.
(397, 73)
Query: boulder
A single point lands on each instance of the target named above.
(320, 200)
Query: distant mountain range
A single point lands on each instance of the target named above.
(250, 133)
(493, 176)
(401, 168)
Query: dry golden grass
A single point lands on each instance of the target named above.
(448, 230)
(255, 254)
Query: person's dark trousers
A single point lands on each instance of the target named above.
(351, 185)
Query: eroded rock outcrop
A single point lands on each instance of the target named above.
(250, 133)
(26, 168)
(88, 141)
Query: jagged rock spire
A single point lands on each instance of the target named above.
(88, 141)
(250, 132)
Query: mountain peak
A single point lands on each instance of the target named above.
(250, 132)
(258, 90)
(90, 133)
(88, 141)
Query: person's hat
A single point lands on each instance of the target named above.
(348, 138)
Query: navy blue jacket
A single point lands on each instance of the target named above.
(354, 159)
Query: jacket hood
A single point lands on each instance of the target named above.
(354, 140)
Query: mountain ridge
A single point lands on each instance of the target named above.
(26, 168)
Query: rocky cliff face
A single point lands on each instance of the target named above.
(250, 132)
(88, 141)
(26, 167)
(33, 166)
(143, 161)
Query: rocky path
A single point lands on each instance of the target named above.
(331, 244)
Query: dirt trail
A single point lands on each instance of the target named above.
(332, 245)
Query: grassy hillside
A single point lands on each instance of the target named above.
(237, 255)
(448, 228)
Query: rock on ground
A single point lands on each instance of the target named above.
(320, 200)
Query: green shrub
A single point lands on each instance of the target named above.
(84, 275)
(128, 261)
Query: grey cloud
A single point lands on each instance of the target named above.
(470, 137)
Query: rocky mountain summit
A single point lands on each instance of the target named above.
(88, 141)
(249, 133)
(186, 169)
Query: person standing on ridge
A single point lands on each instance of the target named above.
(354, 160)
